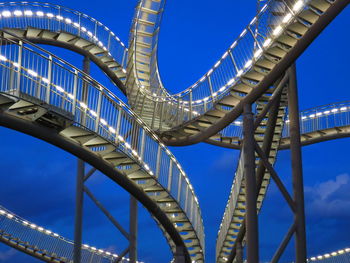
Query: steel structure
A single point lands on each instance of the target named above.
(247, 101)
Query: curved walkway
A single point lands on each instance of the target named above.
(44, 244)
(46, 97)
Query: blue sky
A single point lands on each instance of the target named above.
(38, 180)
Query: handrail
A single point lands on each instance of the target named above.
(26, 69)
(46, 240)
(59, 18)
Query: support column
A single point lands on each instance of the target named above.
(133, 229)
(179, 255)
(79, 199)
(239, 255)
(297, 169)
(250, 184)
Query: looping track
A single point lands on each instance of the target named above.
(46, 97)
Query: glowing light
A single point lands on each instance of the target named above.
(258, 53)
(59, 17)
(18, 13)
(277, 31)
(248, 64)
(104, 122)
(33, 73)
(287, 18)
(28, 13)
(59, 88)
(68, 21)
(267, 42)
(83, 105)
(39, 13)
(6, 13)
(2, 58)
(49, 15)
(112, 130)
(230, 82)
(298, 5)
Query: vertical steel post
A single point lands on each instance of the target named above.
(250, 183)
(239, 255)
(79, 199)
(133, 229)
(297, 170)
(179, 255)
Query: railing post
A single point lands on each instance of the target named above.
(49, 80)
(159, 155)
(251, 188)
(297, 169)
(19, 61)
(191, 101)
(170, 178)
(98, 112)
(75, 86)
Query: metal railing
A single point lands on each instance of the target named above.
(339, 256)
(311, 120)
(28, 71)
(240, 58)
(57, 18)
(322, 118)
(231, 204)
(37, 238)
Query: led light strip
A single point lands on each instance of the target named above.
(329, 255)
(16, 218)
(68, 21)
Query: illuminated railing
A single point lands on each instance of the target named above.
(27, 71)
(27, 234)
(61, 19)
(231, 205)
(322, 118)
(339, 256)
(311, 120)
(220, 79)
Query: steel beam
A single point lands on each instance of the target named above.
(133, 229)
(297, 169)
(250, 184)
(79, 200)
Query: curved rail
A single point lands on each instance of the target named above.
(45, 244)
(321, 123)
(243, 74)
(60, 26)
(39, 88)
(317, 124)
(341, 256)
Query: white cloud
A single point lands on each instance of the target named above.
(330, 198)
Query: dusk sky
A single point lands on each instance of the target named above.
(38, 179)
